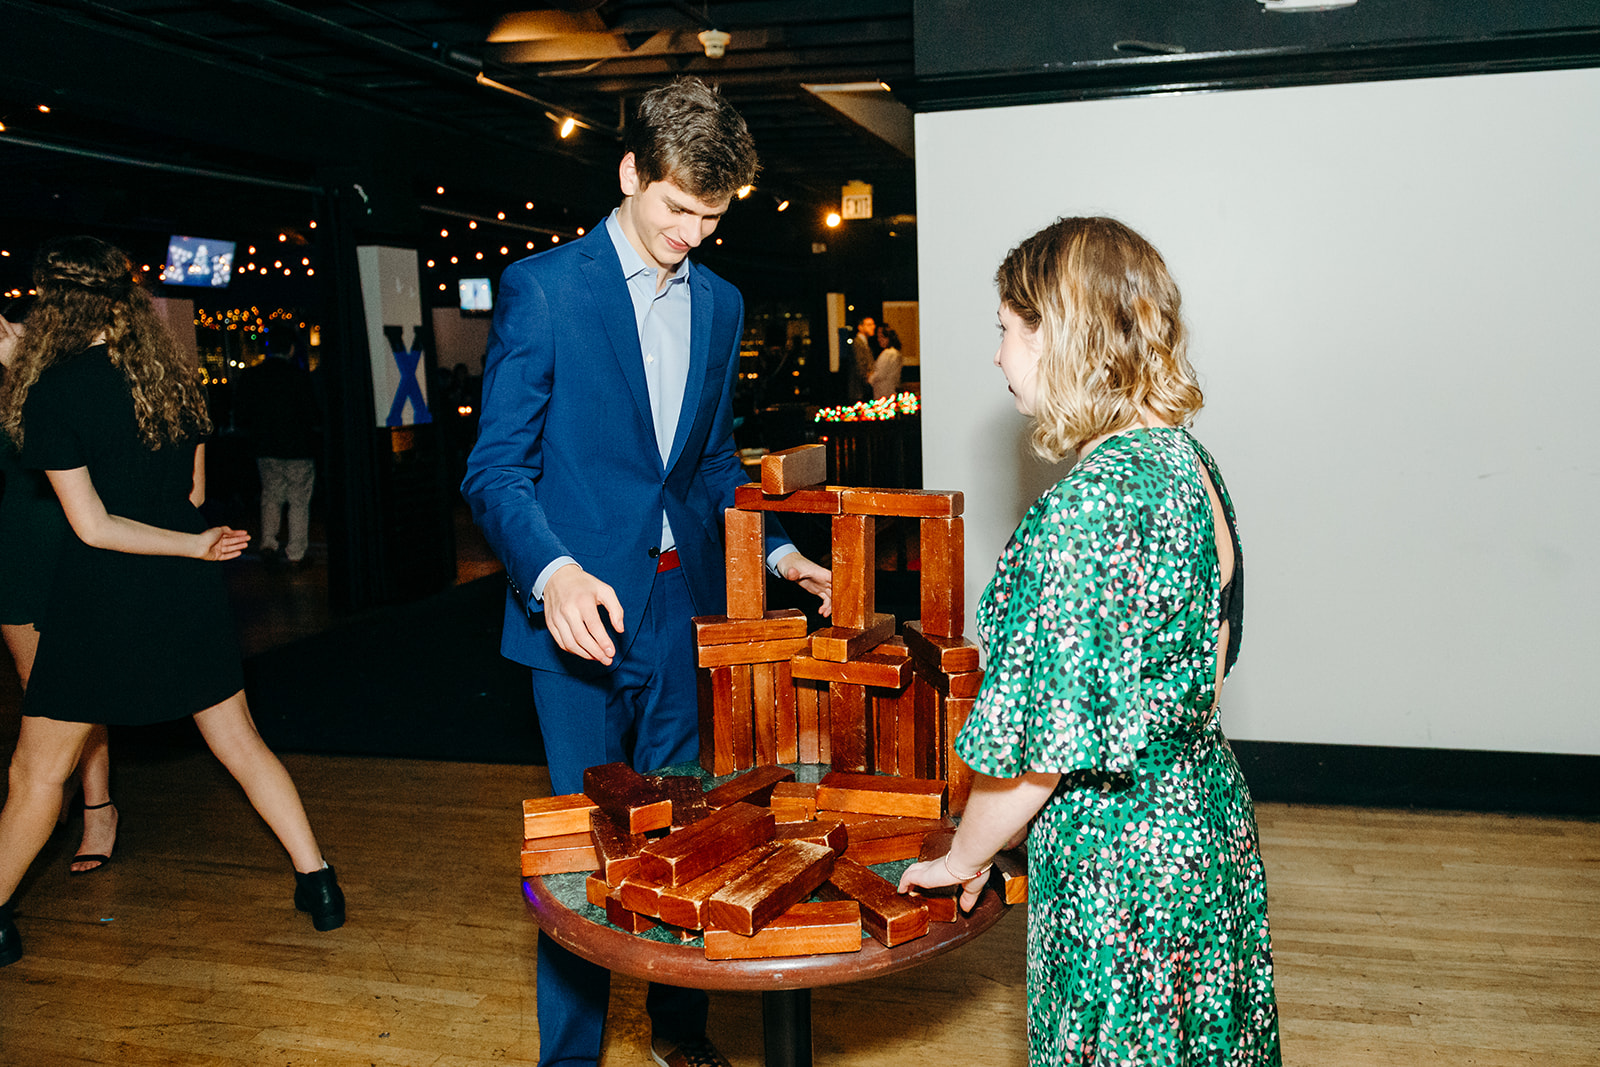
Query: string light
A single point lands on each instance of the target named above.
(882, 409)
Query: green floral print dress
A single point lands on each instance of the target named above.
(1147, 905)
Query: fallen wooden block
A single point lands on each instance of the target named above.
(903, 503)
(951, 655)
(685, 905)
(624, 794)
(550, 816)
(823, 500)
(620, 915)
(831, 834)
(687, 795)
(840, 643)
(873, 668)
(881, 794)
(750, 652)
(793, 468)
(774, 625)
(886, 839)
(596, 890)
(849, 818)
(640, 895)
(561, 854)
(753, 787)
(616, 850)
(807, 929)
(1011, 873)
(885, 914)
(770, 888)
(687, 854)
(794, 801)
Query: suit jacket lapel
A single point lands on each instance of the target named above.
(603, 271)
(700, 315)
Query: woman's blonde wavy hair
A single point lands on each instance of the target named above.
(1113, 340)
(86, 286)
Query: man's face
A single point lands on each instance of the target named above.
(661, 221)
(868, 328)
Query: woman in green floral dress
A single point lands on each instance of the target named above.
(1113, 617)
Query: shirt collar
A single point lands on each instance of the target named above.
(632, 262)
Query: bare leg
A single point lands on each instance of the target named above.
(23, 641)
(100, 816)
(232, 737)
(47, 750)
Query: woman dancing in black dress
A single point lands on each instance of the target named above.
(138, 629)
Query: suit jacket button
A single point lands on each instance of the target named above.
(654, 551)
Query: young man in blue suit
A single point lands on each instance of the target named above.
(603, 465)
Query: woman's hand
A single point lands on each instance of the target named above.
(935, 873)
(222, 542)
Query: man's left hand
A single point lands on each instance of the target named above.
(812, 578)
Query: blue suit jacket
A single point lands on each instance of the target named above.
(566, 461)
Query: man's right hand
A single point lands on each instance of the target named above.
(572, 601)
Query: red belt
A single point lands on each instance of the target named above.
(667, 561)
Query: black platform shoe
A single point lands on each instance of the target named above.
(10, 940)
(319, 894)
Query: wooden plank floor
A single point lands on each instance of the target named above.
(1402, 938)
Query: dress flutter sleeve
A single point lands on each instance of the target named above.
(1061, 686)
(52, 437)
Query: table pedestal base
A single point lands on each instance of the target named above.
(786, 1027)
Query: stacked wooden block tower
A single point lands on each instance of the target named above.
(852, 695)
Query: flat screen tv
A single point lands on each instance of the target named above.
(204, 262)
(476, 295)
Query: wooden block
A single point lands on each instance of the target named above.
(750, 652)
(957, 774)
(785, 722)
(855, 570)
(688, 853)
(906, 503)
(687, 795)
(831, 834)
(894, 648)
(805, 713)
(943, 902)
(753, 788)
(639, 894)
(885, 914)
(849, 818)
(619, 915)
(596, 889)
(840, 643)
(549, 816)
(616, 850)
(884, 672)
(793, 468)
(884, 840)
(561, 854)
(963, 685)
(849, 736)
(624, 794)
(716, 720)
(770, 888)
(905, 741)
(744, 747)
(927, 711)
(796, 799)
(747, 563)
(822, 500)
(944, 576)
(880, 794)
(764, 713)
(775, 625)
(684, 905)
(949, 654)
(825, 724)
(1011, 875)
(883, 705)
(807, 929)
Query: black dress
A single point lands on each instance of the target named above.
(32, 533)
(125, 638)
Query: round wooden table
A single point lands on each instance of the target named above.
(784, 983)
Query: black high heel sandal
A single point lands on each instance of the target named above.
(92, 857)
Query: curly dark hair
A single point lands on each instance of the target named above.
(87, 288)
(687, 133)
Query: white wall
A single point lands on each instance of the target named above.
(1394, 292)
